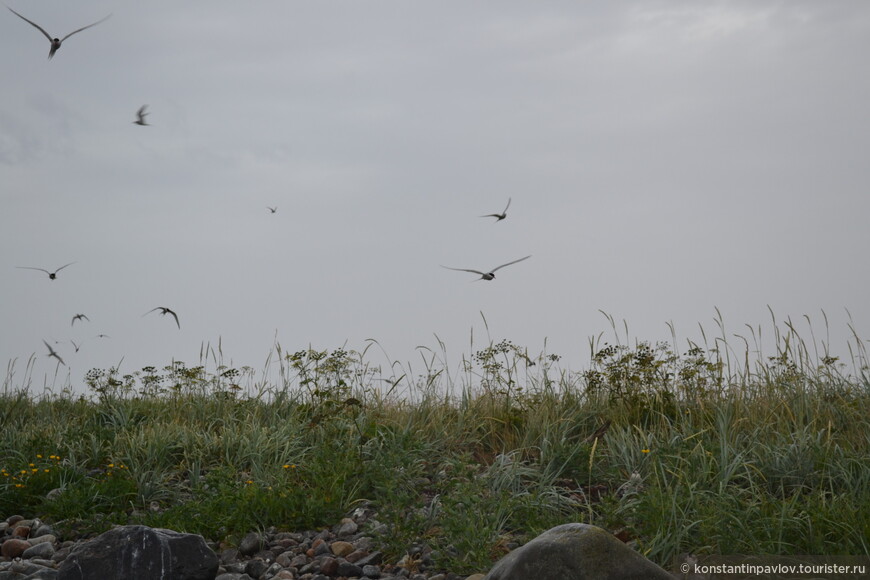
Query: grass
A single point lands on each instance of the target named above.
(709, 451)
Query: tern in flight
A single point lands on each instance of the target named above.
(51, 275)
(487, 275)
(52, 353)
(77, 346)
(140, 116)
(272, 209)
(78, 317)
(164, 310)
(55, 42)
(499, 216)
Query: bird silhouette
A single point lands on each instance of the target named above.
(163, 310)
(140, 116)
(487, 275)
(78, 317)
(272, 209)
(52, 353)
(499, 216)
(55, 42)
(76, 346)
(51, 275)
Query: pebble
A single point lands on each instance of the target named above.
(34, 549)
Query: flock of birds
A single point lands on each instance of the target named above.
(53, 276)
(140, 120)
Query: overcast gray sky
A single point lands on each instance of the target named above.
(665, 158)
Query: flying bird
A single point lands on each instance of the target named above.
(164, 310)
(55, 42)
(78, 317)
(51, 275)
(52, 353)
(140, 116)
(77, 346)
(499, 216)
(272, 209)
(487, 275)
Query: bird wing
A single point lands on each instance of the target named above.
(507, 206)
(509, 263)
(80, 29)
(62, 267)
(174, 315)
(150, 311)
(495, 215)
(464, 270)
(37, 26)
(52, 353)
(29, 268)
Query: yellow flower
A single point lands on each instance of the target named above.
(644, 450)
(38, 456)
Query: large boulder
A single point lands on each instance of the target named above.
(141, 553)
(576, 552)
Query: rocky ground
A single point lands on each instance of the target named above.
(32, 550)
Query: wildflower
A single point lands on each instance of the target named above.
(644, 450)
(38, 456)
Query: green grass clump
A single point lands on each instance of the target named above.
(673, 452)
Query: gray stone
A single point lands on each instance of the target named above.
(25, 568)
(44, 574)
(50, 538)
(347, 527)
(40, 550)
(576, 552)
(256, 568)
(346, 568)
(141, 553)
(371, 571)
(373, 558)
(251, 544)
